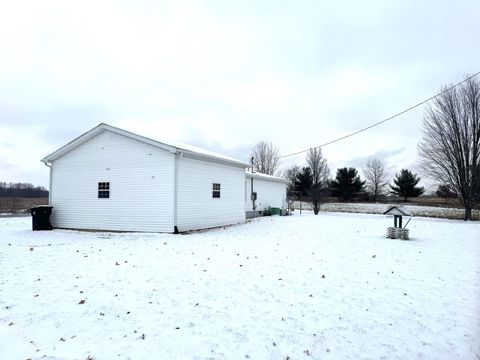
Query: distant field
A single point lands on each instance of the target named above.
(430, 209)
(10, 205)
(435, 201)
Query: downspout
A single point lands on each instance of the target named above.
(178, 155)
(49, 165)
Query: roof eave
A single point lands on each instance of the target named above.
(400, 210)
(270, 178)
(216, 159)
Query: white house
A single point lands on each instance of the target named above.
(112, 179)
(268, 192)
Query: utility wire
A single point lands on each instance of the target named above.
(385, 120)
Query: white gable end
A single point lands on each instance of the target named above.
(141, 178)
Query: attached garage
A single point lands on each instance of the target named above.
(112, 179)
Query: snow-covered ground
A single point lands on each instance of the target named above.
(299, 287)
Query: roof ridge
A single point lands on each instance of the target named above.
(169, 146)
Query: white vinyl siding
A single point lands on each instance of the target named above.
(196, 207)
(269, 194)
(141, 186)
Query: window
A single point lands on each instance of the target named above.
(103, 190)
(216, 190)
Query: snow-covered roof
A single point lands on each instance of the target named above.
(170, 146)
(261, 176)
(207, 153)
(397, 210)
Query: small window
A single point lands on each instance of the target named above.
(216, 190)
(103, 190)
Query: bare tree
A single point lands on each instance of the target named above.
(318, 165)
(450, 147)
(445, 191)
(318, 191)
(290, 175)
(266, 158)
(376, 175)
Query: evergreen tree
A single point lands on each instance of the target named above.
(347, 184)
(304, 181)
(315, 192)
(406, 185)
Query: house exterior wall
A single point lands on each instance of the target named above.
(141, 180)
(196, 208)
(269, 194)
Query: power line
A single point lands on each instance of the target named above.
(385, 120)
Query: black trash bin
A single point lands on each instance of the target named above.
(41, 217)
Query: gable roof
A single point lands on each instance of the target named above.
(170, 147)
(397, 210)
(262, 176)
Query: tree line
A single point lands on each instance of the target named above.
(347, 185)
(312, 183)
(449, 153)
(24, 190)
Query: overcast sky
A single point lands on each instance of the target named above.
(224, 75)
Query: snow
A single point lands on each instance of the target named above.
(201, 151)
(262, 176)
(299, 287)
(397, 210)
(190, 148)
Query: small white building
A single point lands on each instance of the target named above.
(112, 179)
(263, 192)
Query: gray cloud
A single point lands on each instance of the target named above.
(296, 74)
(240, 152)
(5, 165)
(383, 155)
(30, 114)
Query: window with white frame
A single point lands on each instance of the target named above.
(216, 190)
(104, 190)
